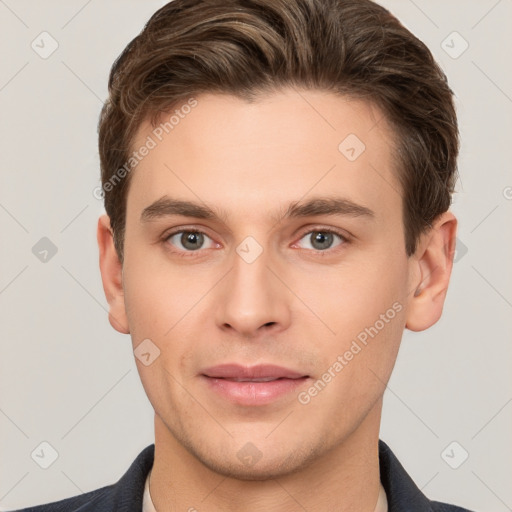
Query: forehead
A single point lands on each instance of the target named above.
(261, 156)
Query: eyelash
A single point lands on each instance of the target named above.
(190, 254)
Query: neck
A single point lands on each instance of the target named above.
(345, 479)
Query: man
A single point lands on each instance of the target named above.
(277, 176)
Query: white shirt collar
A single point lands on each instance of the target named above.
(147, 503)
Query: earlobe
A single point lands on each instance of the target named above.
(112, 276)
(435, 261)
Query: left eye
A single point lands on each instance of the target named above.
(322, 239)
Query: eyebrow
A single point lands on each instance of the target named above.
(335, 206)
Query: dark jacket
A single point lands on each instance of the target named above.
(126, 494)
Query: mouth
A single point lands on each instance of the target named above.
(258, 373)
(262, 379)
(251, 386)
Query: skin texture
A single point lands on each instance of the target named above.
(297, 305)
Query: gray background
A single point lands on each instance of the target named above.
(67, 378)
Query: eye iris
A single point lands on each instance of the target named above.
(192, 238)
(325, 239)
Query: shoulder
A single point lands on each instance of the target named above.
(123, 496)
(402, 493)
(446, 507)
(74, 503)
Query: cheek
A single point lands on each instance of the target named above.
(353, 296)
(364, 307)
(158, 294)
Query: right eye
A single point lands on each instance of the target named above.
(190, 240)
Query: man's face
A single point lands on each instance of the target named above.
(253, 290)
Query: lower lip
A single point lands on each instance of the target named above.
(253, 393)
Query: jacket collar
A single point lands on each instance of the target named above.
(402, 493)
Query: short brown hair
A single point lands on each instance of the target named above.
(245, 47)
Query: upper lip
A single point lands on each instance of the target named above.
(237, 371)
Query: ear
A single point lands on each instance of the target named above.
(112, 276)
(434, 261)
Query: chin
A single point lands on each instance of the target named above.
(250, 463)
(260, 471)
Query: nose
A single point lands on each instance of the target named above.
(253, 299)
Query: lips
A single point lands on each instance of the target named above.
(252, 386)
(259, 373)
